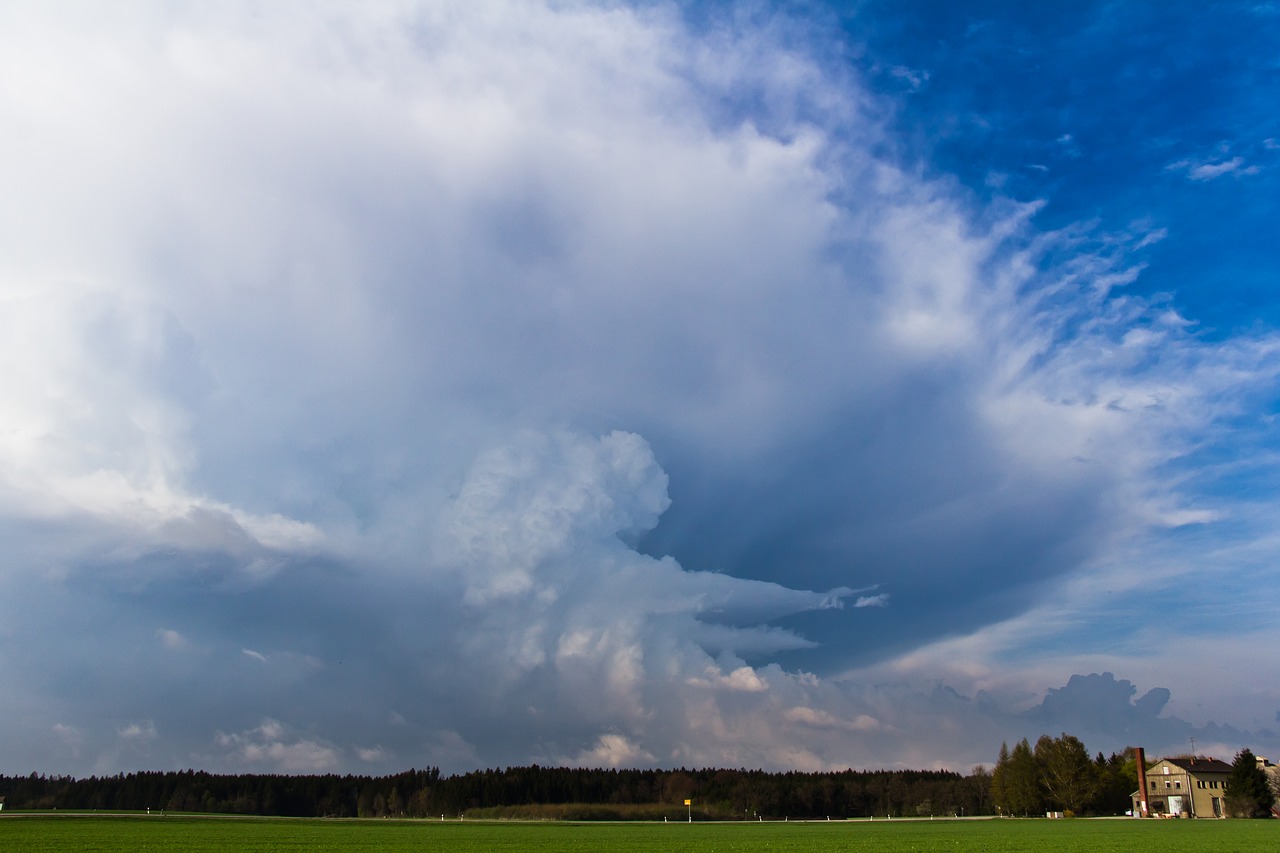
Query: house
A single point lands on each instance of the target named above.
(1189, 786)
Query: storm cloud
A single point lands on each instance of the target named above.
(481, 383)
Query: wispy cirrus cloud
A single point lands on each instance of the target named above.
(1207, 170)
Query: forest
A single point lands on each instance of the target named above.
(533, 791)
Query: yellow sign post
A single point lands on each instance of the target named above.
(689, 803)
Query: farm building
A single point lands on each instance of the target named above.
(1190, 786)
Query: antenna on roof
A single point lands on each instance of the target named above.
(1193, 746)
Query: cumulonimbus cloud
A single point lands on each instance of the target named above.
(555, 381)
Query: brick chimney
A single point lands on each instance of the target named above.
(1140, 758)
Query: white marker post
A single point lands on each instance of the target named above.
(689, 803)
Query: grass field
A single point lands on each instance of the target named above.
(66, 834)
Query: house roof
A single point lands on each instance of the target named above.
(1199, 765)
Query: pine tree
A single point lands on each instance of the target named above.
(1000, 781)
(1248, 793)
(1023, 780)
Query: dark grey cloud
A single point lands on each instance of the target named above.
(1102, 711)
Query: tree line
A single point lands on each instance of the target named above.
(1056, 774)
(521, 791)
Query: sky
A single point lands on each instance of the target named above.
(785, 386)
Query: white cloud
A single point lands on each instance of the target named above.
(70, 736)
(823, 719)
(612, 750)
(272, 745)
(139, 732)
(171, 639)
(743, 678)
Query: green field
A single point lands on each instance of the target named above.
(66, 834)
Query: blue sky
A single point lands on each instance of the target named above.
(470, 384)
(1111, 112)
